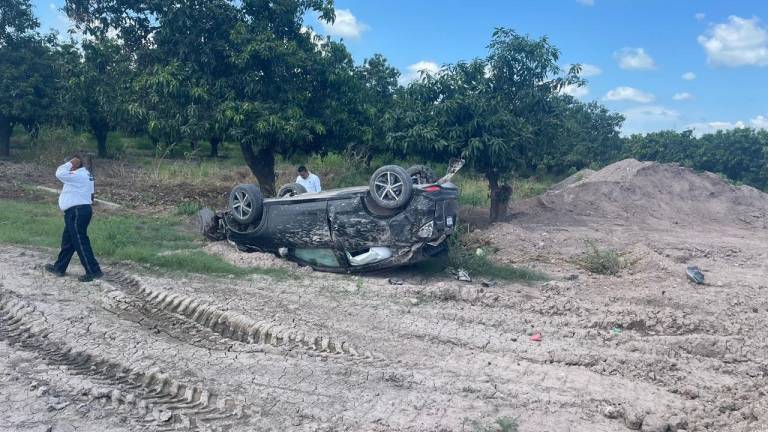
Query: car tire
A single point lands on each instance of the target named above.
(291, 189)
(422, 174)
(390, 187)
(245, 203)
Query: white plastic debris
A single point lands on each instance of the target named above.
(374, 254)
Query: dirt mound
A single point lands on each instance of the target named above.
(637, 193)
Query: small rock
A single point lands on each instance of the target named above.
(633, 420)
(613, 412)
(413, 301)
(654, 423)
(488, 284)
(396, 281)
(572, 277)
(161, 415)
(57, 404)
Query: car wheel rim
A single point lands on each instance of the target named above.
(241, 205)
(388, 186)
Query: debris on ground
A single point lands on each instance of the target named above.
(396, 281)
(536, 337)
(463, 276)
(694, 274)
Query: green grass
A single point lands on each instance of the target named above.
(462, 254)
(601, 261)
(188, 208)
(154, 241)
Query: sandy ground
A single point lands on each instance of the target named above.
(645, 350)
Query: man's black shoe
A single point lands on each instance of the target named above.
(90, 277)
(51, 269)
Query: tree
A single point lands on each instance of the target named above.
(289, 91)
(98, 84)
(28, 75)
(498, 113)
(589, 137)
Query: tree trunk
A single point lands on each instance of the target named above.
(215, 141)
(101, 143)
(262, 165)
(500, 196)
(100, 127)
(6, 128)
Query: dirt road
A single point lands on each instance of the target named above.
(645, 350)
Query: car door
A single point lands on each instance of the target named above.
(353, 228)
(299, 223)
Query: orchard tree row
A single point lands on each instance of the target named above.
(185, 72)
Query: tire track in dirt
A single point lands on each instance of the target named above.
(150, 398)
(228, 324)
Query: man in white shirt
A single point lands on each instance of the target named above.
(310, 181)
(75, 201)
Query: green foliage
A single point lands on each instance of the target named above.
(499, 113)
(16, 19)
(98, 84)
(29, 83)
(602, 261)
(154, 241)
(740, 154)
(188, 208)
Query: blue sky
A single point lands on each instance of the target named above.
(640, 52)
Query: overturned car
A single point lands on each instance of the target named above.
(399, 218)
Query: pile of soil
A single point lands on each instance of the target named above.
(645, 193)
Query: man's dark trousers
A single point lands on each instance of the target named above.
(75, 239)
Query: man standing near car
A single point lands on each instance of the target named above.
(310, 181)
(75, 201)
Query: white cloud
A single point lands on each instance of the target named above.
(649, 118)
(586, 2)
(629, 94)
(739, 42)
(588, 70)
(759, 122)
(682, 96)
(413, 72)
(575, 91)
(634, 59)
(688, 76)
(346, 25)
(700, 16)
(704, 128)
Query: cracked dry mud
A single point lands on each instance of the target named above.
(647, 350)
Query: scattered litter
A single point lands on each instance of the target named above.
(463, 276)
(616, 331)
(695, 274)
(480, 252)
(536, 337)
(396, 281)
(489, 284)
(572, 277)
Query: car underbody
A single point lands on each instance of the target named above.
(344, 230)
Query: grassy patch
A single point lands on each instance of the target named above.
(463, 253)
(601, 261)
(188, 208)
(153, 241)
